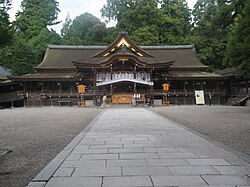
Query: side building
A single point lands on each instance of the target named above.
(8, 90)
(118, 71)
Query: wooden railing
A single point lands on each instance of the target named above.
(10, 96)
(5, 97)
(187, 92)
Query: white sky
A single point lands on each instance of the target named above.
(75, 8)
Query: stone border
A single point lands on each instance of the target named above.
(212, 141)
(44, 176)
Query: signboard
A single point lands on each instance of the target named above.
(199, 97)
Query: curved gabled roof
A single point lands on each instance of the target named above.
(122, 40)
(61, 57)
(68, 57)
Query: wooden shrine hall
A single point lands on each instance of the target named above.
(119, 72)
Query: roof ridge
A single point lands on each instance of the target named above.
(75, 47)
(103, 47)
(168, 47)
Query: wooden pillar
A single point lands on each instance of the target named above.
(42, 86)
(25, 90)
(111, 86)
(135, 87)
(25, 87)
(231, 87)
(218, 86)
(94, 82)
(152, 95)
(135, 71)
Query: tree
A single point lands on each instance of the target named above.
(41, 41)
(213, 20)
(238, 49)
(66, 30)
(206, 37)
(96, 35)
(146, 36)
(114, 9)
(85, 29)
(142, 13)
(31, 36)
(36, 15)
(175, 23)
(19, 57)
(168, 19)
(5, 26)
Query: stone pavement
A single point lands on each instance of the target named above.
(136, 147)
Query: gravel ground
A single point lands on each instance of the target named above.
(225, 124)
(36, 136)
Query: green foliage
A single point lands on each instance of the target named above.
(31, 36)
(36, 15)
(96, 34)
(167, 20)
(212, 21)
(75, 32)
(238, 49)
(175, 24)
(114, 9)
(20, 57)
(65, 31)
(5, 26)
(85, 29)
(112, 33)
(146, 36)
(41, 41)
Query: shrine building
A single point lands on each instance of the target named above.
(119, 71)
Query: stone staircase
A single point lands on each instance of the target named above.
(239, 100)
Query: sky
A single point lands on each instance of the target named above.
(75, 8)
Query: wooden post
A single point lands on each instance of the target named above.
(26, 95)
(94, 81)
(152, 96)
(42, 86)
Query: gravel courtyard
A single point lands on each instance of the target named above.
(37, 135)
(226, 124)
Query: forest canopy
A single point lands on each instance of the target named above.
(219, 29)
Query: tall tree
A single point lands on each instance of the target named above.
(212, 24)
(175, 25)
(85, 29)
(96, 35)
(32, 34)
(114, 9)
(208, 44)
(5, 26)
(19, 57)
(238, 49)
(66, 30)
(36, 15)
(167, 20)
(141, 14)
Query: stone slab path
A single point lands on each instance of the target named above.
(136, 147)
